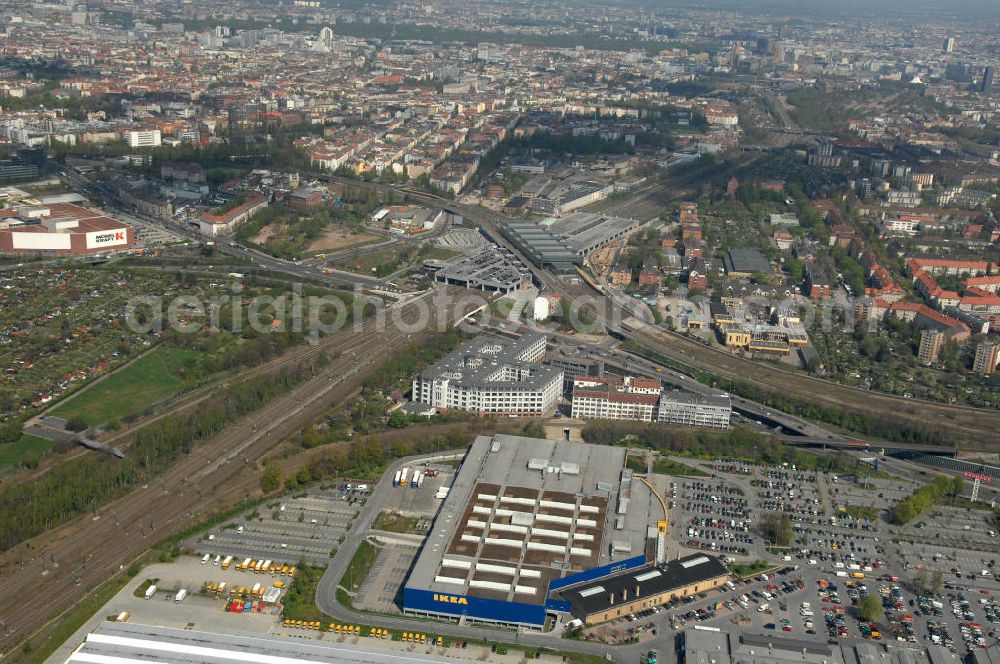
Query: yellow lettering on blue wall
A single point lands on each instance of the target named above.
(450, 599)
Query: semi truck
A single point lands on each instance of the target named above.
(150, 591)
(396, 478)
(181, 594)
(404, 478)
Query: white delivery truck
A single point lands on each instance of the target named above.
(181, 594)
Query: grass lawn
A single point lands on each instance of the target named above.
(361, 563)
(392, 523)
(861, 512)
(636, 463)
(663, 466)
(147, 380)
(25, 448)
(756, 567)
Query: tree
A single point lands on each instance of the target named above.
(777, 529)
(76, 423)
(920, 581)
(869, 608)
(272, 477)
(533, 429)
(937, 580)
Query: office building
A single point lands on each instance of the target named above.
(148, 138)
(493, 375)
(695, 410)
(643, 400)
(613, 398)
(986, 82)
(931, 342)
(949, 45)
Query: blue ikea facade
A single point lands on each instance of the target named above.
(481, 608)
(476, 608)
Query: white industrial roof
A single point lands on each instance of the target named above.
(132, 643)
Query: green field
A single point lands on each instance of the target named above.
(25, 449)
(145, 381)
(392, 523)
(670, 467)
(361, 563)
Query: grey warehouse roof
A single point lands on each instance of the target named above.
(586, 231)
(746, 260)
(503, 460)
(705, 646)
(489, 361)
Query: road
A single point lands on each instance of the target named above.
(971, 427)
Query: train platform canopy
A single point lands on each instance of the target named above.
(125, 643)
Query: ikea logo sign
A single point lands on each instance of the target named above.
(450, 599)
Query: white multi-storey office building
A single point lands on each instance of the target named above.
(493, 375)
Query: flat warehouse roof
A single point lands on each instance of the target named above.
(125, 643)
(525, 511)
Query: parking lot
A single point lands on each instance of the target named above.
(934, 578)
(381, 588)
(308, 527)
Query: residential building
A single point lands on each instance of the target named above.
(817, 286)
(931, 342)
(987, 358)
(147, 138)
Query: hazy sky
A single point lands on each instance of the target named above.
(950, 9)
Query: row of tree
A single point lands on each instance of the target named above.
(77, 486)
(914, 505)
(739, 442)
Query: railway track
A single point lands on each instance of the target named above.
(973, 427)
(123, 439)
(48, 573)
